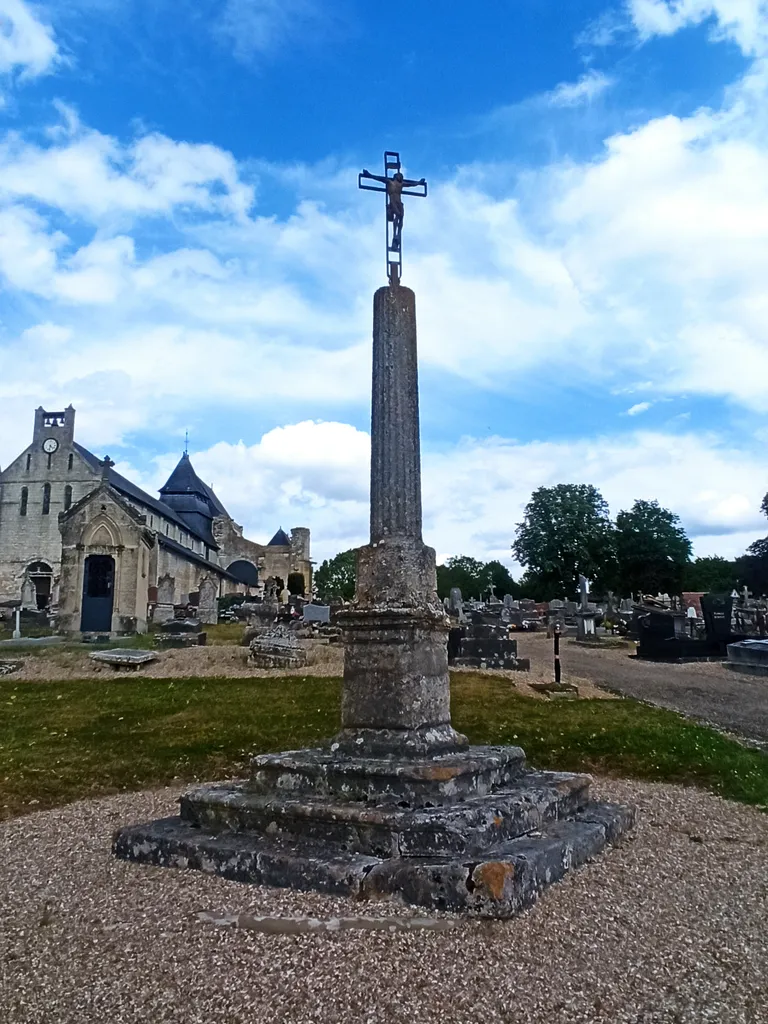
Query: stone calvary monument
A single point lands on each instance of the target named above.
(398, 803)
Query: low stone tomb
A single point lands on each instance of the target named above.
(484, 646)
(277, 648)
(181, 633)
(749, 656)
(118, 660)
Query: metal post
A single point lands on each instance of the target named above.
(557, 654)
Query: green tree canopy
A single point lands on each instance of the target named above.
(566, 532)
(752, 568)
(711, 575)
(337, 576)
(652, 549)
(474, 578)
(468, 574)
(501, 579)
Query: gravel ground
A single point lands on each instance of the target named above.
(669, 927)
(707, 691)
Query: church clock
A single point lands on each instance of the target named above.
(50, 445)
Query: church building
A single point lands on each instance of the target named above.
(102, 555)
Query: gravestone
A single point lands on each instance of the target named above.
(207, 608)
(317, 613)
(397, 803)
(166, 590)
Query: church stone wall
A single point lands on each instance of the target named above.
(105, 525)
(34, 537)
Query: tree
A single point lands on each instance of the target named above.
(337, 576)
(501, 578)
(566, 532)
(752, 568)
(474, 578)
(652, 550)
(463, 572)
(711, 575)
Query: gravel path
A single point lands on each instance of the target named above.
(670, 927)
(707, 691)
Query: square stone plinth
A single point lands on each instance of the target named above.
(476, 832)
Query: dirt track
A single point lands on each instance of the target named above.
(707, 691)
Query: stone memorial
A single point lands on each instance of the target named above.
(166, 588)
(585, 616)
(398, 803)
(123, 659)
(316, 613)
(28, 595)
(207, 607)
(277, 647)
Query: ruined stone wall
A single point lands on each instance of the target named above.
(270, 560)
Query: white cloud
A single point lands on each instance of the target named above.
(638, 408)
(87, 174)
(573, 94)
(745, 22)
(316, 474)
(27, 45)
(254, 28)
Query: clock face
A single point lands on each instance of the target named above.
(50, 445)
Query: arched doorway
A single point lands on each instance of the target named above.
(41, 576)
(98, 594)
(244, 571)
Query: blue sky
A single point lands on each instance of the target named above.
(183, 246)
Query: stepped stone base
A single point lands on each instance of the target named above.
(473, 831)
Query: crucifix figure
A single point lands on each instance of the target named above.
(395, 186)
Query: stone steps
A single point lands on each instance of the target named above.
(476, 826)
(491, 886)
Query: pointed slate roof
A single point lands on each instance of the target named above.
(281, 539)
(184, 480)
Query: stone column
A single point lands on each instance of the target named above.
(395, 449)
(396, 697)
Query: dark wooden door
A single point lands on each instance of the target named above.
(98, 594)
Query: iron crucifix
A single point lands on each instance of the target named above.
(395, 186)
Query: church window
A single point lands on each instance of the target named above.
(46, 499)
(70, 461)
(49, 460)
(24, 500)
(29, 462)
(67, 497)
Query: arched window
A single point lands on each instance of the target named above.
(24, 500)
(46, 499)
(67, 497)
(29, 462)
(70, 461)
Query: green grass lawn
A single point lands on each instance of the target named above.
(62, 741)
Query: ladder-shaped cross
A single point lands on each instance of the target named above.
(395, 186)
